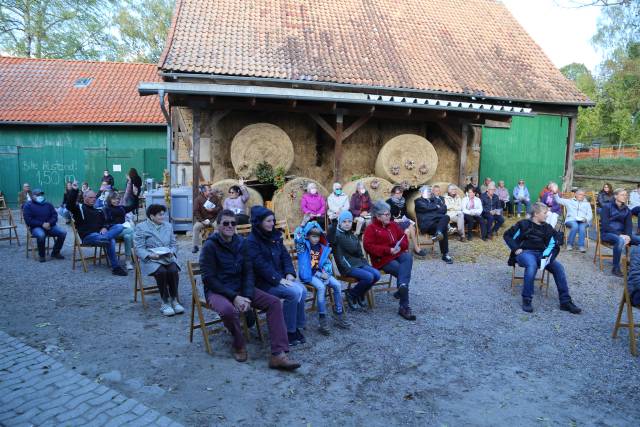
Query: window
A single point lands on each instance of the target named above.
(83, 82)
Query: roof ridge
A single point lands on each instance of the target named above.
(169, 41)
(85, 61)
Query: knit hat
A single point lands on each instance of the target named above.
(345, 215)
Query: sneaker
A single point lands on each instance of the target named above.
(582, 249)
(405, 312)
(526, 305)
(57, 256)
(323, 326)
(128, 265)
(293, 339)
(616, 272)
(195, 250)
(446, 258)
(362, 303)
(118, 271)
(570, 307)
(352, 300)
(437, 237)
(166, 309)
(569, 247)
(301, 337)
(42, 259)
(452, 230)
(282, 361)
(177, 308)
(340, 320)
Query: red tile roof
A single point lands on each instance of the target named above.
(451, 46)
(43, 91)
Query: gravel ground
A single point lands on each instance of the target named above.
(473, 357)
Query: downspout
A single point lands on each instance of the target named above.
(167, 117)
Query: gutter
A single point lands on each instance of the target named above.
(74, 124)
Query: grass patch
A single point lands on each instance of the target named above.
(624, 168)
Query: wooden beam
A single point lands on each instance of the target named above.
(184, 131)
(463, 154)
(355, 126)
(567, 182)
(196, 152)
(337, 159)
(324, 125)
(452, 135)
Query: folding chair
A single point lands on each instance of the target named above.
(282, 225)
(32, 245)
(138, 282)
(565, 227)
(311, 290)
(598, 255)
(626, 301)
(349, 281)
(99, 250)
(198, 303)
(243, 229)
(8, 224)
(516, 280)
(430, 243)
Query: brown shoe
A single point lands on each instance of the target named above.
(406, 313)
(240, 354)
(281, 361)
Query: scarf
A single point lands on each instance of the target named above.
(399, 203)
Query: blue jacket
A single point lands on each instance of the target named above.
(633, 282)
(226, 268)
(36, 214)
(303, 247)
(615, 220)
(271, 259)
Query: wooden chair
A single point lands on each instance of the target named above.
(99, 250)
(516, 280)
(138, 282)
(198, 303)
(243, 230)
(206, 231)
(625, 302)
(598, 255)
(384, 284)
(282, 225)
(311, 291)
(32, 245)
(566, 228)
(428, 243)
(8, 224)
(350, 281)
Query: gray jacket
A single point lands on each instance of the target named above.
(148, 235)
(576, 209)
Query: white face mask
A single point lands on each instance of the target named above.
(362, 190)
(313, 190)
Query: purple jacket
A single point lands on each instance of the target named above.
(313, 204)
(548, 199)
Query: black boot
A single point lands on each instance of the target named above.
(570, 307)
(616, 272)
(526, 305)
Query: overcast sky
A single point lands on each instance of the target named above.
(564, 33)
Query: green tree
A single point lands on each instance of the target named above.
(72, 29)
(589, 126)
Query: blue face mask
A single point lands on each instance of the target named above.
(39, 199)
(338, 192)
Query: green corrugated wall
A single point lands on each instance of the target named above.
(534, 149)
(47, 156)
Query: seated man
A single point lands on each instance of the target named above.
(533, 244)
(92, 227)
(431, 215)
(387, 245)
(485, 185)
(616, 227)
(227, 274)
(472, 210)
(41, 218)
(491, 211)
(503, 195)
(521, 198)
(205, 210)
(633, 281)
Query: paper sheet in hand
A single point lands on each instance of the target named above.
(209, 205)
(161, 251)
(544, 262)
(397, 246)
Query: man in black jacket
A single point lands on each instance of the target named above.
(92, 226)
(432, 218)
(491, 211)
(227, 275)
(533, 244)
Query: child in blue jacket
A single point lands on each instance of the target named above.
(314, 268)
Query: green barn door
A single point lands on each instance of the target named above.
(10, 184)
(43, 167)
(95, 162)
(155, 162)
(534, 149)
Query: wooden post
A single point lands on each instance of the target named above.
(568, 171)
(337, 160)
(196, 151)
(463, 155)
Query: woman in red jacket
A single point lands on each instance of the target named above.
(387, 245)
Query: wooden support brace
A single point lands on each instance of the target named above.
(324, 125)
(355, 126)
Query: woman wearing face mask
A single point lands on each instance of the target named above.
(156, 249)
(312, 204)
(114, 214)
(337, 202)
(399, 215)
(360, 206)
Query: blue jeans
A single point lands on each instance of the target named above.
(367, 277)
(530, 261)
(400, 268)
(56, 232)
(293, 307)
(579, 228)
(618, 245)
(321, 293)
(127, 235)
(109, 240)
(519, 203)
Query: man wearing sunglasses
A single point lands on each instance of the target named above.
(227, 274)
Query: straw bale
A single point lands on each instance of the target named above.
(286, 202)
(260, 142)
(379, 188)
(255, 198)
(408, 159)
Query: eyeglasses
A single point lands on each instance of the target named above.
(229, 223)
(386, 214)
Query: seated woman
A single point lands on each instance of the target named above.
(387, 245)
(66, 201)
(579, 216)
(237, 202)
(156, 249)
(555, 210)
(350, 260)
(605, 195)
(114, 214)
(454, 210)
(312, 204)
(359, 207)
(399, 214)
(431, 214)
(274, 272)
(337, 202)
(105, 190)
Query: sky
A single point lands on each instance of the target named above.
(563, 32)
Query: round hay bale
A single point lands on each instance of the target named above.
(411, 198)
(257, 143)
(286, 202)
(255, 198)
(378, 188)
(407, 159)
